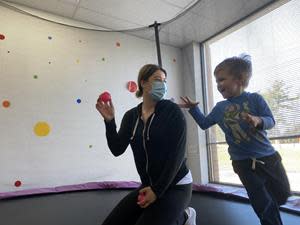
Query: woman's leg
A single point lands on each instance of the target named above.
(126, 212)
(169, 209)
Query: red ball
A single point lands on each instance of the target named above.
(105, 97)
(141, 198)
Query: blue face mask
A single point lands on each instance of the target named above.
(159, 90)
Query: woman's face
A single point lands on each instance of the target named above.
(157, 76)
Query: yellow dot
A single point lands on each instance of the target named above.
(78, 61)
(41, 129)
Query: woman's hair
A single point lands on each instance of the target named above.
(240, 67)
(145, 72)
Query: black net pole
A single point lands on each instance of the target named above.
(156, 25)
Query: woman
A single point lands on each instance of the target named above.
(156, 132)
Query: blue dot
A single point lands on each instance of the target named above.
(78, 100)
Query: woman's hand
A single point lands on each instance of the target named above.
(106, 109)
(188, 103)
(149, 197)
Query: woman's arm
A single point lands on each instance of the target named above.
(118, 141)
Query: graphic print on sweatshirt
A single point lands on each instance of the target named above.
(234, 121)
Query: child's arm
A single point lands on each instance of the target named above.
(201, 120)
(264, 120)
(265, 113)
(254, 121)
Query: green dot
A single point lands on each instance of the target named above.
(35, 77)
(103, 59)
(90, 146)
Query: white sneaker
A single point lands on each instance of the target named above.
(191, 216)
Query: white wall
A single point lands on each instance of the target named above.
(75, 150)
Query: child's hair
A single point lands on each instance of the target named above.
(240, 67)
(145, 72)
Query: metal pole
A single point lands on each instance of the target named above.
(156, 25)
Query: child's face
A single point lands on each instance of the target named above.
(228, 86)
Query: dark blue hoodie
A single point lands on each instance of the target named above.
(158, 147)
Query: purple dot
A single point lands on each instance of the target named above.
(78, 100)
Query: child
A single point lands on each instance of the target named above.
(244, 117)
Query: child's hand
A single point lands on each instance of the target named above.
(147, 197)
(255, 121)
(188, 103)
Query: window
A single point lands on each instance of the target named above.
(273, 41)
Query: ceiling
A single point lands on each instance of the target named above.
(182, 21)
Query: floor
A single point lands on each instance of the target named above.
(91, 207)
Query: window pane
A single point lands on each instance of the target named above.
(221, 165)
(289, 150)
(273, 41)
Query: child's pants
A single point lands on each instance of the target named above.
(267, 186)
(167, 210)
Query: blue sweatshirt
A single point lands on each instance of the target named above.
(244, 140)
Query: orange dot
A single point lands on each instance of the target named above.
(6, 103)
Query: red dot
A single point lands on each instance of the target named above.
(2, 37)
(6, 103)
(118, 44)
(131, 86)
(18, 183)
(174, 60)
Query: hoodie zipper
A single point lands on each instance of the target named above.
(145, 149)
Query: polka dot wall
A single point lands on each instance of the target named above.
(51, 133)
